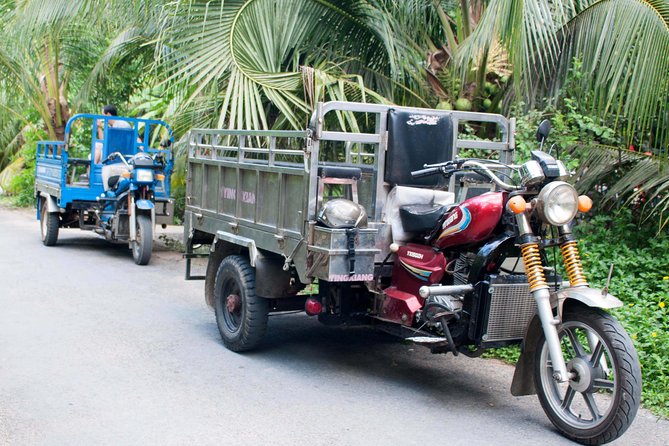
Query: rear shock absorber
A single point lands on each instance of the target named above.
(534, 268)
(572, 263)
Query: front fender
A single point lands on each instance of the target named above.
(592, 297)
(523, 378)
(145, 205)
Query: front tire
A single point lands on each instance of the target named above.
(48, 223)
(142, 247)
(241, 316)
(600, 402)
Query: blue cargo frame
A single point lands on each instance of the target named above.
(53, 159)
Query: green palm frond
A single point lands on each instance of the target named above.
(622, 44)
(625, 178)
(624, 48)
(250, 54)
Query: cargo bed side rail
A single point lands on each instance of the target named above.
(248, 185)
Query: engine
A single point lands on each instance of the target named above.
(439, 309)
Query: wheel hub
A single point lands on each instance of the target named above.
(233, 303)
(583, 380)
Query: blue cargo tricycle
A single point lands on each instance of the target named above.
(114, 181)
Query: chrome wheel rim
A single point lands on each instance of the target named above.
(589, 397)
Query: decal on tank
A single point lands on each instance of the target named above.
(455, 223)
(416, 272)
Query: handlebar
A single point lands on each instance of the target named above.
(494, 178)
(425, 172)
(450, 167)
(113, 156)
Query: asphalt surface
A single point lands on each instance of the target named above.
(95, 350)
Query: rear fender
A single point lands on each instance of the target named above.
(523, 378)
(51, 204)
(220, 249)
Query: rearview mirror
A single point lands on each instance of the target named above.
(543, 130)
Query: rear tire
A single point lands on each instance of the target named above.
(142, 247)
(240, 314)
(599, 404)
(49, 223)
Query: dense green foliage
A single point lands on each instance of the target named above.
(641, 280)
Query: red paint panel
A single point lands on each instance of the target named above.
(472, 221)
(399, 306)
(417, 265)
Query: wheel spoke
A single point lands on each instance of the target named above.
(575, 343)
(592, 405)
(603, 384)
(568, 398)
(597, 353)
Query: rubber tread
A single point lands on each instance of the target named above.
(628, 378)
(255, 309)
(50, 230)
(142, 254)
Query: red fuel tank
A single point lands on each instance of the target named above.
(471, 221)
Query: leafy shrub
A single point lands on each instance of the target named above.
(22, 186)
(641, 280)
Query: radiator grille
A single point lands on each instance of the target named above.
(511, 308)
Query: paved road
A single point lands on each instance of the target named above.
(95, 350)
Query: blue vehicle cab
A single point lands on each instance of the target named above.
(117, 186)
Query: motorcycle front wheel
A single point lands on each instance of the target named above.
(142, 247)
(599, 403)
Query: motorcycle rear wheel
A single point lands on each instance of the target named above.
(142, 247)
(599, 404)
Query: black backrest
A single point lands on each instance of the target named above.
(416, 138)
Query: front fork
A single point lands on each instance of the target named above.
(132, 217)
(534, 269)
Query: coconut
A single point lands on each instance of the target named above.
(444, 105)
(463, 104)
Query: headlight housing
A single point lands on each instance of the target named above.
(557, 203)
(143, 175)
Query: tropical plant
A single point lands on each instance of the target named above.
(623, 46)
(264, 63)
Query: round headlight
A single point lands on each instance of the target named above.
(557, 203)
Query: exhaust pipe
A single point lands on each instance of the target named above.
(444, 290)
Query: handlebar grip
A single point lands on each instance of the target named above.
(425, 172)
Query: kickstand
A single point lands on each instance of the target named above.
(447, 332)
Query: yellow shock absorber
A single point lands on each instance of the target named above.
(534, 269)
(572, 263)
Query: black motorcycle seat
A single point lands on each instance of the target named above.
(113, 181)
(421, 218)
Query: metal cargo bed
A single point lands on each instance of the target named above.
(262, 190)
